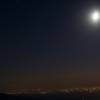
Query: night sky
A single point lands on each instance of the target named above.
(48, 44)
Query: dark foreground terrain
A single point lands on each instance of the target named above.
(53, 96)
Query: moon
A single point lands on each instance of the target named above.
(95, 16)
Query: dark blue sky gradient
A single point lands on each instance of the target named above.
(48, 44)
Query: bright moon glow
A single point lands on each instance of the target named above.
(95, 16)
